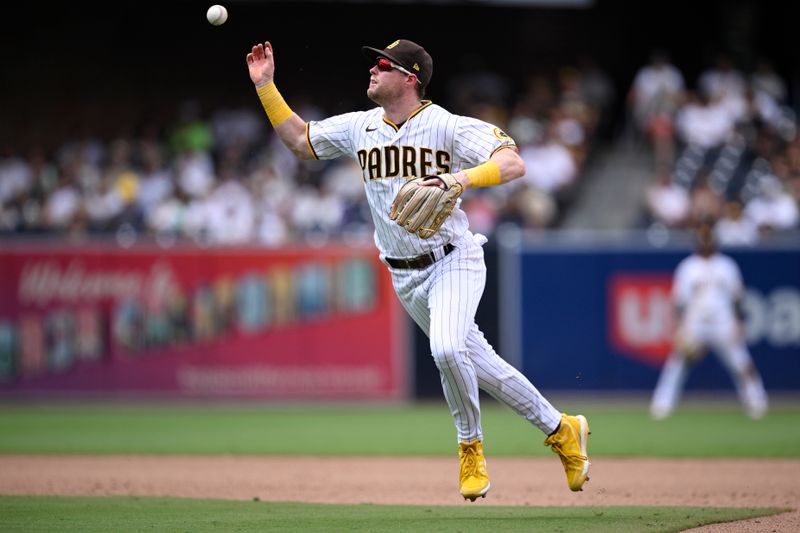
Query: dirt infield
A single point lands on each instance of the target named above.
(535, 482)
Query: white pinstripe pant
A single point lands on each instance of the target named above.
(443, 299)
(723, 339)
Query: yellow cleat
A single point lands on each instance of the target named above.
(473, 478)
(569, 442)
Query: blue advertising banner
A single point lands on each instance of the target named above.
(601, 319)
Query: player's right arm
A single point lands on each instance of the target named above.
(288, 125)
(681, 290)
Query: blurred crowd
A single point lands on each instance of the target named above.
(725, 149)
(223, 177)
(725, 146)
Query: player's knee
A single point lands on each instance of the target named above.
(446, 355)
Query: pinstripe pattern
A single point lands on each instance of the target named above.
(467, 142)
(442, 298)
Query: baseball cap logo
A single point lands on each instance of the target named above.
(416, 67)
(393, 44)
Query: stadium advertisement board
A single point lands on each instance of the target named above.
(594, 319)
(293, 323)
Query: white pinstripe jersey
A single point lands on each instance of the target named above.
(431, 141)
(708, 287)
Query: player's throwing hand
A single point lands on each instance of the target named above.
(261, 64)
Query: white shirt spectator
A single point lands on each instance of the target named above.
(167, 216)
(153, 188)
(721, 83)
(774, 208)
(272, 230)
(656, 87)
(570, 132)
(548, 167)
(62, 206)
(725, 86)
(344, 179)
(668, 202)
(313, 210)
(15, 178)
(274, 192)
(231, 214)
(330, 211)
(103, 206)
(196, 220)
(195, 173)
(705, 126)
(736, 232)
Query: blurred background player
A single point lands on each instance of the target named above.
(707, 291)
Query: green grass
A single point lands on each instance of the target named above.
(217, 428)
(129, 514)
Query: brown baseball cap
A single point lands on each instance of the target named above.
(408, 55)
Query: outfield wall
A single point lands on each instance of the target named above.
(188, 321)
(324, 322)
(591, 315)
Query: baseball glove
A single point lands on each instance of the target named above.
(422, 209)
(692, 350)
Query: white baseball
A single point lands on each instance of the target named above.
(217, 14)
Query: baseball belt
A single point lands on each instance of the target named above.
(421, 261)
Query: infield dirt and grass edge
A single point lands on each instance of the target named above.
(135, 514)
(130, 451)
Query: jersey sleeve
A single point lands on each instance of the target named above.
(475, 141)
(735, 276)
(681, 284)
(331, 138)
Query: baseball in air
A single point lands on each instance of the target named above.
(217, 14)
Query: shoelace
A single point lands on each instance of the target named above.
(574, 458)
(472, 467)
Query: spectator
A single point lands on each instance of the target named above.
(705, 205)
(62, 210)
(703, 123)
(765, 80)
(773, 209)
(724, 85)
(667, 201)
(598, 91)
(481, 212)
(734, 229)
(230, 211)
(104, 206)
(156, 178)
(653, 98)
(549, 165)
(167, 218)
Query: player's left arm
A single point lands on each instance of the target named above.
(505, 165)
(492, 152)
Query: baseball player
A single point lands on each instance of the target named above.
(707, 291)
(438, 274)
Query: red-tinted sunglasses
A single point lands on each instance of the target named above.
(385, 65)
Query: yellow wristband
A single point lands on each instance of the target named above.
(274, 104)
(484, 175)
